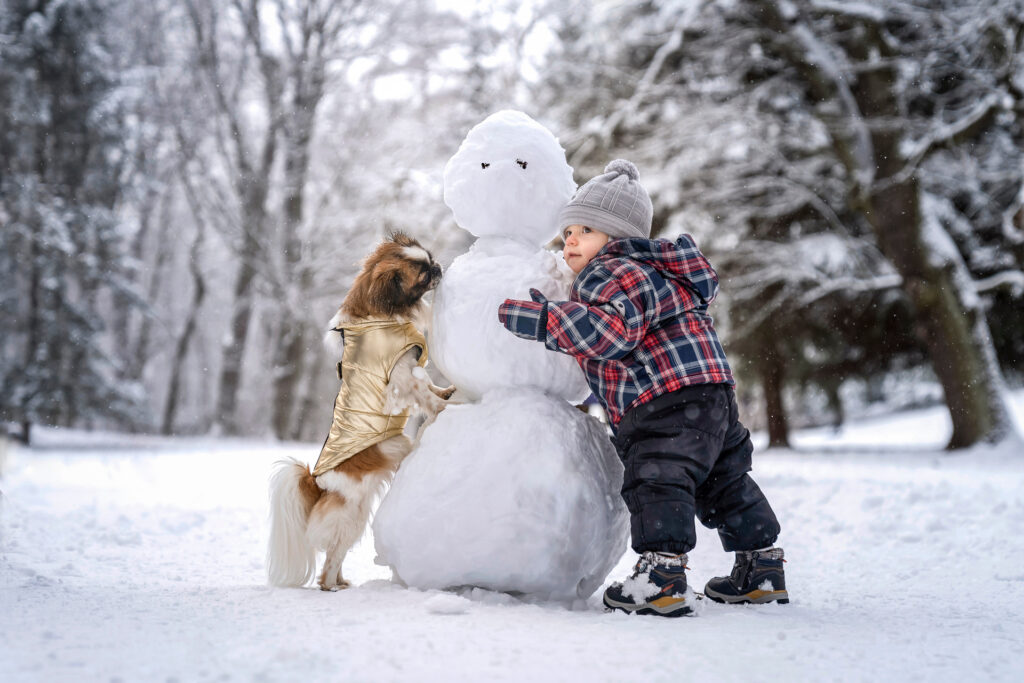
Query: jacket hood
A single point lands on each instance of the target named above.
(680, 262)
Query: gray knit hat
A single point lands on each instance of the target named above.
(613, 202)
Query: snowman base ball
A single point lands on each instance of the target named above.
(518, 493)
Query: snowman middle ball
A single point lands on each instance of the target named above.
(468, 343)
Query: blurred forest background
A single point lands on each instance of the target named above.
(187, 186)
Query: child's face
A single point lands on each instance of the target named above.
(581, 245)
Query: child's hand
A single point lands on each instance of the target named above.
(537, 296)
(526, 319)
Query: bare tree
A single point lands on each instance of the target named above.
(248, 152)
(311, 34)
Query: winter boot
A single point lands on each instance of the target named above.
(757, 577)
(656, 586)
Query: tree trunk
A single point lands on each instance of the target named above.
(835, 401)
(773, 371)
(308, 406)
(25, 436)
(152, 207)
(233, 347)
(123, 306)
(288, 365)
(35, 336)
(944, 323)
(291, 342)
(949, 324)
(140, 350)
(250, 177)
(198, 294)
(307, 78)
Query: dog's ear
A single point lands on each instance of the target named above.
(388, 292)
(396, 294)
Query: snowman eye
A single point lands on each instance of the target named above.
(521, 163)
(484, 164)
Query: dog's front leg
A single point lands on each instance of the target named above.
(410, 388)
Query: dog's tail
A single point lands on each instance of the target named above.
(291, 559)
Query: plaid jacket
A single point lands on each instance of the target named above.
(637, 322)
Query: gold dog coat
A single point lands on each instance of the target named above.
(372, 347)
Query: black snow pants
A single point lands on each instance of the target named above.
(686, 453)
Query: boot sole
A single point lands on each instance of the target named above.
(677, 609)
(757, 597)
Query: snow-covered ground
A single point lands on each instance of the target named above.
(142, 560)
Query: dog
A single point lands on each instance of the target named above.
(378, 334)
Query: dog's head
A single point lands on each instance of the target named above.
(393, 280)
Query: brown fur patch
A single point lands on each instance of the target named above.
(329, 502)
(367, 461)
(390, 283)
(309, 491)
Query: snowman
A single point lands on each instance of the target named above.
(516, 490)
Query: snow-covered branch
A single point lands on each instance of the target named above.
(955, 132)
(830, 81)
(877, 283)
(818, 58)
(644, 85)
(860, 10)
(1014, 279)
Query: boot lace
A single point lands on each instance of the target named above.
(651, 559)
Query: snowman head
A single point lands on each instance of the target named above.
(509, 179)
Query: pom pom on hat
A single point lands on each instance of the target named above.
(621, 166)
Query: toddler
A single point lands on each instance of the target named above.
(637, 322)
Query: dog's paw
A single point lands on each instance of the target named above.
(446, 393)
(342, 585)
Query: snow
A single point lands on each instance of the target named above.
(134, 559)
(639, 587)
(517, 493)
